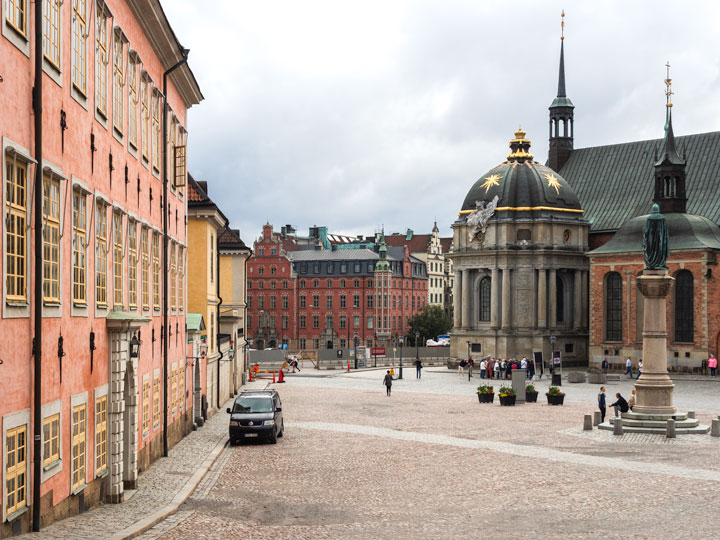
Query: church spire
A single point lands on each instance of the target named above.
(670, 153)
(561, 115)
(670, 168)
(561, 75)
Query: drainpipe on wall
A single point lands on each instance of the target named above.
(184, 52)
(217, 318)
(37, 393)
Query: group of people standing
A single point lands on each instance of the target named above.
(497, 368)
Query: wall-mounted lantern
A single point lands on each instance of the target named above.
(135, 347)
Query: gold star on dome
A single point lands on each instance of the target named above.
(490, 181)
(553, 182)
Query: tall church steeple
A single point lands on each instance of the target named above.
(561, 115)
(670, 168)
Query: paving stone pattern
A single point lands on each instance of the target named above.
(156, 488)
(430, 462)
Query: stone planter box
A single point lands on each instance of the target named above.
(576, 377)
(507, 401)
(555, 400)
(597, 378)
(486, 398)
(531, 397)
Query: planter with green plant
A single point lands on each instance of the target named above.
(507, 396)
(555, 396)
(530, 393)
(485, 393)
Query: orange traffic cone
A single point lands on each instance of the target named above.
(250, 377)
(273, 375)
(281, 378)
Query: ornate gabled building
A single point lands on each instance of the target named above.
(431, 249)
(519, 259)
(307, 297)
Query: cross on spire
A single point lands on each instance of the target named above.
(668, 86)
(562, 24)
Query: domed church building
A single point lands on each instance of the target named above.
(521, 273)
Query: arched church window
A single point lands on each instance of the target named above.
(684, 300)
(560, 299)
(613, 307)
(485, 299)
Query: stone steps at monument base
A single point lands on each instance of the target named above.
(699, 430)
(690, 423)
(678, 417)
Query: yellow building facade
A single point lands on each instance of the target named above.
(205, 223)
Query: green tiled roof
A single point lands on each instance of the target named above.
(615, 183)
(686, 231)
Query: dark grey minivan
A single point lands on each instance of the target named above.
(256, 414)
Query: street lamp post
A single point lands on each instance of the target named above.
(468, 345)
(355, 338)
(417, 345)
(375, 349)
(401, 353)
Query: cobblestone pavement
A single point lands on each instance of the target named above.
(157, 488)
(430, 462)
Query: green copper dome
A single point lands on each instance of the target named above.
(523, 186)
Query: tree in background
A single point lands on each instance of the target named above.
(430, 323)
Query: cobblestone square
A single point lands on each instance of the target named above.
(431, 462)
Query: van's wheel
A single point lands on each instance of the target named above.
(274, 437)
(282, 430)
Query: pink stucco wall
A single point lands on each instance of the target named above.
(16, 124)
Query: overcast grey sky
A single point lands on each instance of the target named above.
(360, 114)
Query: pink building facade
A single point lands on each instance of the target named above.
(112, 270)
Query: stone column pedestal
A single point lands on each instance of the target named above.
(654, 387)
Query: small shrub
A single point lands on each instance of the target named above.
(529, 387)
(485, 389)
(554, 391)
(506, 391)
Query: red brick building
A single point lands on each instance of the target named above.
(309, 297)
(693, 306)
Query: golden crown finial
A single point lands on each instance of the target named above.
(520, 147)
(668, 86)
(562, 24)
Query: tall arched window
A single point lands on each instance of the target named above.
(613, 307)
(684, 307)
(485, 299)
(560, 299)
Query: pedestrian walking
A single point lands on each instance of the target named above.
(631, 399)
(531, 369)
(418, 368)
(602, 404)
(640, 366)
(628, 368)
(489, 367)
(387, 381)
(483, 368)
(620, 405)
(712, 364)
(605, 365)
(461, 367)
(471, 364)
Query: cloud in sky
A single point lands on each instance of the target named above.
(357, 115)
